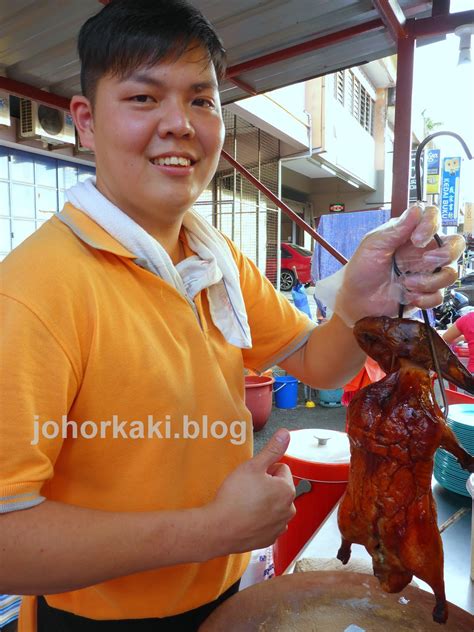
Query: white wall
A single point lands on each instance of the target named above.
(346, 143)
(280, 113)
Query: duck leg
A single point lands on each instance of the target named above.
(344, 553)
(450, 443)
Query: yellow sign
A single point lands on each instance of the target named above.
(432, 184)
(432, 179)
(469, 217)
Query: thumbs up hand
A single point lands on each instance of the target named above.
(255, 503)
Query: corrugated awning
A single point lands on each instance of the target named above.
(270, 43)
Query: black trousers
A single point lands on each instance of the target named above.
(54, 620)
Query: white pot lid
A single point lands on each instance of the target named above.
(319, 446)
(470, 485)
(462, 415)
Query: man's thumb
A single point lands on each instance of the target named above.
(274, 449)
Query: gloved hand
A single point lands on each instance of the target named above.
(368, 286)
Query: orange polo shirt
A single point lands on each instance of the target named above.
(90, 335)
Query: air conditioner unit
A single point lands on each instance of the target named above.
(42, 122)
(80, 149)
(5, 109)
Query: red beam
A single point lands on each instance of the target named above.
(438, 24)
(286, 209)
(30, 92)
(305, 47)
(243, 86)
(441, 7)
(393, 18)
(402, 131)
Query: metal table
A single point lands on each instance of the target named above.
(456, 543)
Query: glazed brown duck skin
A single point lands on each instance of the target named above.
(395, 427)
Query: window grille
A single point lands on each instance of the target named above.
(349, 91)
(366, 110)
(339, 86)
(237, 208)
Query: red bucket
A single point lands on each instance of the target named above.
(258, 398)
(324, 465)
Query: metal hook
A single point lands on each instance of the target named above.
(419, 196)
(419, 151)
(419, 188)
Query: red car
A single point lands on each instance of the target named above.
(292, 256)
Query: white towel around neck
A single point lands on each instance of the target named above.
(212, 268)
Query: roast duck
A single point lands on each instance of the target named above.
(395, 427)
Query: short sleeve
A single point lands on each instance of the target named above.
(278, 329)
(463, 324)
(37, 385)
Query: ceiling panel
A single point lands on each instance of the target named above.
(38, 39)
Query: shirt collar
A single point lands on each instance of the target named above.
(90, 232)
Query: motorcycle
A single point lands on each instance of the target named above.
(468, 279)
(455, 305)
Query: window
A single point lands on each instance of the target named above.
(366, 114)
(349, 88)
(349, 91)
(302, 251)
(355, 110)
(32, 189)
(339, 86)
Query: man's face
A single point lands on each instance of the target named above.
(157, 137)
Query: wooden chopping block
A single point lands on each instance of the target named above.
(328, 601)
(354, 565)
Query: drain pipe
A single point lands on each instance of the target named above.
(309, 152)
(305, 154)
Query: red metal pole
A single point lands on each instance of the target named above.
(243, 86)
(305, 47)
(402, 131)
(286, 209)
(393, 17)
(439, 24)
(30, 92)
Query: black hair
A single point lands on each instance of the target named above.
(127, 34)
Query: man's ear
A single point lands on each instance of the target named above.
(81, 110)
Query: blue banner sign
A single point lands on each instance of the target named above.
(450, 191)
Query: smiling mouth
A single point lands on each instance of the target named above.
(172, 161)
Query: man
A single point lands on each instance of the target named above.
(129, 494)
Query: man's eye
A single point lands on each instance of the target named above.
(142, 98)
(205, 103)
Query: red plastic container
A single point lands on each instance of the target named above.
(454, 397)
(258, 398)
(326, 468)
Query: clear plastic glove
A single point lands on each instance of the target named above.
(368, 286)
